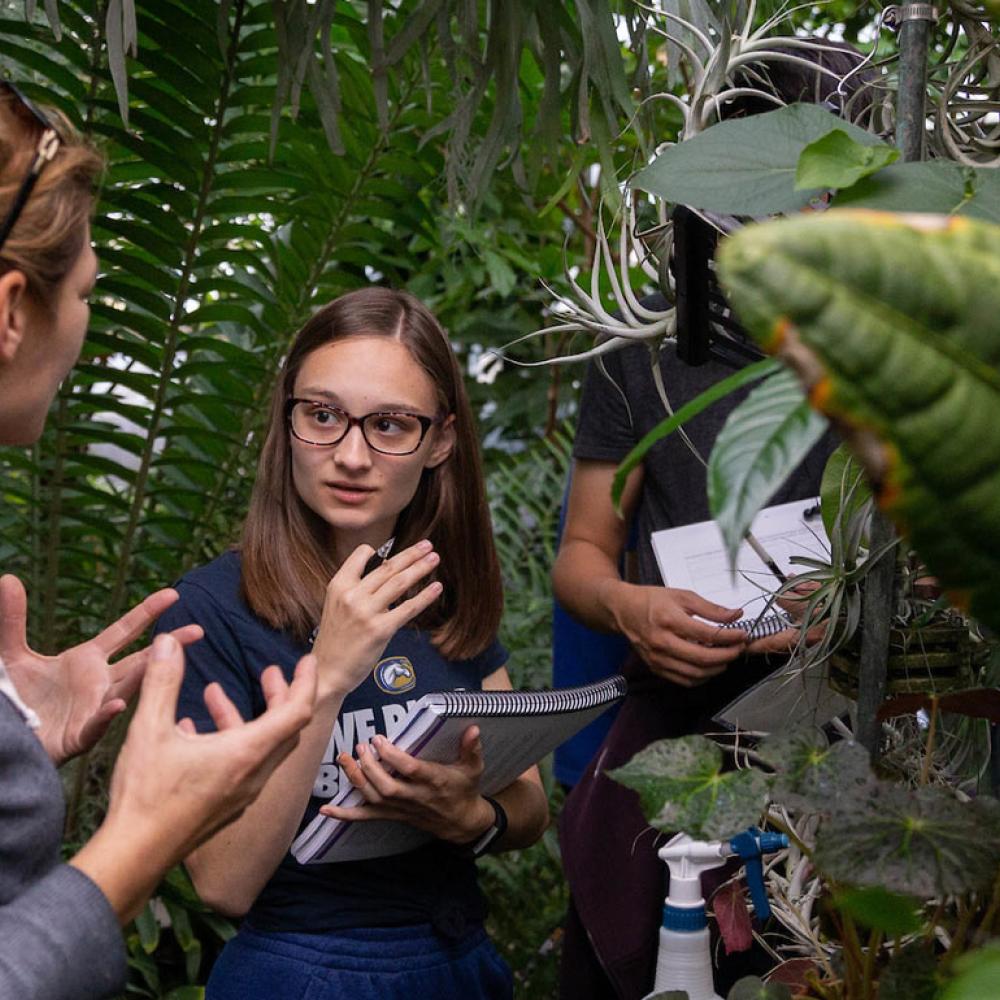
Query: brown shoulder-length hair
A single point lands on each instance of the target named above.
(286, 556)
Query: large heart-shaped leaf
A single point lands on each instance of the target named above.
(682, 786)
(745, 166)
(921, 842)
(891, 324)
(759, 446)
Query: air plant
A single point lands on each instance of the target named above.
(720, 65)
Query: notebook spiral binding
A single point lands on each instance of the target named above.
(474, 704)
(759, 628)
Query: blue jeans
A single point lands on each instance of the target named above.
(378, 963)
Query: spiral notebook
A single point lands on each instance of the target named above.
(693, 557)
(518, 728)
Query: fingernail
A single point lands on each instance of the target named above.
(432, 558)
(379, 742)
(361, 749)
(425, 546)
(164, 645)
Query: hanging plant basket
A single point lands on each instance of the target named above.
(935, 658)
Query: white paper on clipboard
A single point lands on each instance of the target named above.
(693, 557)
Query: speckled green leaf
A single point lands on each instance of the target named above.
(812, 776)
(681, 786)
(892, 324)
(921, 842)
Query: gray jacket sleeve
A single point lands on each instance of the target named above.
(60, 940)
(59, 937)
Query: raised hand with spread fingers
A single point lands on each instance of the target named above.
(78, 692)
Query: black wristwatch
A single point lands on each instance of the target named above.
(489, 840)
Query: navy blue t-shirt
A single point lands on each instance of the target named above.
(433, 884)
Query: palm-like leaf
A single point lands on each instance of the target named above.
(213, 255)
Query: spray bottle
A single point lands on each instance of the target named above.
(684, 961)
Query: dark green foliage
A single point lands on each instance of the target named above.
(880, 910)
(912, 974)
(525, 496)
(905, 358)
(527, 896)
(173, 942)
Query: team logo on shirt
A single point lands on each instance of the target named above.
(395, 675)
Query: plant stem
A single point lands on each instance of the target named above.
(986, 924)
(853, 956)
(958, 939)
(874, 944)
(825, 991)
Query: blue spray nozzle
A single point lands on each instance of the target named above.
(750, 846)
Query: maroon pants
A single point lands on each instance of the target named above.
(617, 883)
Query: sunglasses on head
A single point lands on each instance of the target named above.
(45, 151)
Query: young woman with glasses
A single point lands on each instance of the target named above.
(60, 935)
(370, 438)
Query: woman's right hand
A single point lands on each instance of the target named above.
(666, 628)
(360, 613)
(172, 787)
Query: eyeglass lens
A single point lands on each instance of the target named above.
(390, 433)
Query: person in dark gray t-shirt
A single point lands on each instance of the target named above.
(683, 669)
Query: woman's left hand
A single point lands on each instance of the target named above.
(443, 799)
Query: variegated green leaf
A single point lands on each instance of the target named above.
(920, 842)
(682, 786)
(891, 322)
